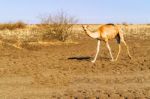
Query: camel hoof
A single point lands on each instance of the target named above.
(130, 57)
(112, 60)
(93, 61)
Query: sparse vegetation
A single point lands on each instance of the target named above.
(58, 26)
(139, 31)
(12, 26)
(24, 34)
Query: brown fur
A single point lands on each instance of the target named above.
(108, 31)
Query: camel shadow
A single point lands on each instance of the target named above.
(80, 58)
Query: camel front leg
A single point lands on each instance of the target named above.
(97, 51)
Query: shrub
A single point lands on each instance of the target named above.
(58, 26)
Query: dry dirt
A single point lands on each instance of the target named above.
(47, 72)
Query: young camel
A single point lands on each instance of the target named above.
(106, 33)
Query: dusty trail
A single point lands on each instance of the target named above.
(47, 73)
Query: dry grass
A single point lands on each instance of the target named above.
(12, 26)
(32, 34)
(39, 33)
(141, 31)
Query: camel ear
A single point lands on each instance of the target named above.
(87, 26)
(83, 26)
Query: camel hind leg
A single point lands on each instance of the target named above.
(123, 41)
(127, 48)
(118, 41)
(109, 49)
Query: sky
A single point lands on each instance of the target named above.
(86, 11)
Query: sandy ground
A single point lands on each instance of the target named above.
(46, 72)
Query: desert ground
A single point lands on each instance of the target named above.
(64, 71)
